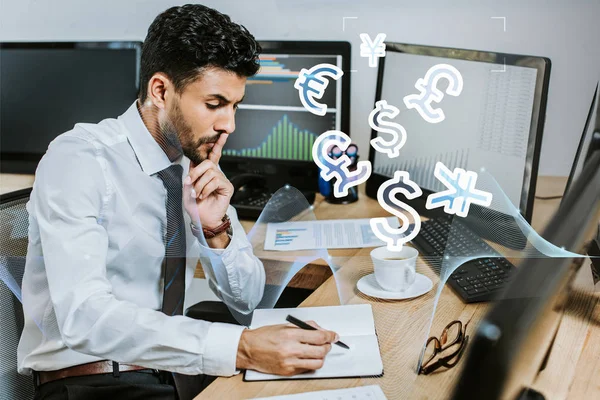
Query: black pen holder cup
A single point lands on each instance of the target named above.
(350, 198)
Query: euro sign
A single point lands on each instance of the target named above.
(386, 195)
(338, 169)
(430, 93)
(398, 133)
(311, 85)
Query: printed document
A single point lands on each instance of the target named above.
(326, 234)
(370, 392)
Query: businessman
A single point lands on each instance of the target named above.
(107, 263)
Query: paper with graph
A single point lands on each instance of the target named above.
(326, 234)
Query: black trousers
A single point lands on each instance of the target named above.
(131, 385)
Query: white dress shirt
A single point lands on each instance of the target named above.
(93, 283)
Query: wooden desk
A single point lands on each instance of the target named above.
(11, 182)
(403, 327)
(572, 370)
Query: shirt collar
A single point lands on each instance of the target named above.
(149, 154)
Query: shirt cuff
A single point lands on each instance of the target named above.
(220, 354)
(228, 254)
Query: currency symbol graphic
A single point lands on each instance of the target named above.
(386, 195)
(372, 48)
(311, 86)
(338, 168)
(429, 92)
(461, 191)
(393, 146)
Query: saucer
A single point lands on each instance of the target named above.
(369, 286)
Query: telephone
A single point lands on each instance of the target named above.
(248, 186)
(251, 195)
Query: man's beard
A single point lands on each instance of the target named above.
(179, 135)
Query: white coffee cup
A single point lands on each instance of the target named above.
(395, 271)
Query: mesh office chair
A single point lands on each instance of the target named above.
(14, 223)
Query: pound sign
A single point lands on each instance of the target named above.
(338, 168)
(429, 92)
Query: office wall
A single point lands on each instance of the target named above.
(566, 31)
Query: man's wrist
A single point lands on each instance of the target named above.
(243, 360)
(216, 238)
(213, 232)
(221, 241)
(216, 223)
(225, 226)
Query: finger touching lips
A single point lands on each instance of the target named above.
(215, 152)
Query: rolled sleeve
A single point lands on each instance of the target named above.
(222, 342)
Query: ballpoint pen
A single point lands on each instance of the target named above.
(304, 325)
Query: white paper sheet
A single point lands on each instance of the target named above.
(370, 392)
(326, 234)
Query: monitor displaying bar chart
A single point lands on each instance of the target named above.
(285, 140)
(272, 123)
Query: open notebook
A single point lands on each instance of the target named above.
(354, 324)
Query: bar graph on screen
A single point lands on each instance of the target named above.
(286, 141)
(272, 70)
(272, 123)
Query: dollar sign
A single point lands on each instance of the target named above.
(430, 93)
(386, 195)
(338, 168)
(391, 147)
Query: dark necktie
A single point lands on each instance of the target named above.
(188, 386)
(174, 261)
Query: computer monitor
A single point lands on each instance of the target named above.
(495, 123)
(589, 142)
(513, 339)
(46, 88)
(274, 132)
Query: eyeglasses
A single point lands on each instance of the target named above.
(450, 347)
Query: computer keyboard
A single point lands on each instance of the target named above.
(477, 280)
(281, 209)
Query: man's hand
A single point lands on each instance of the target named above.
(206, 191)
(284, 349)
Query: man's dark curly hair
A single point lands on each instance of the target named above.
(183, 41)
